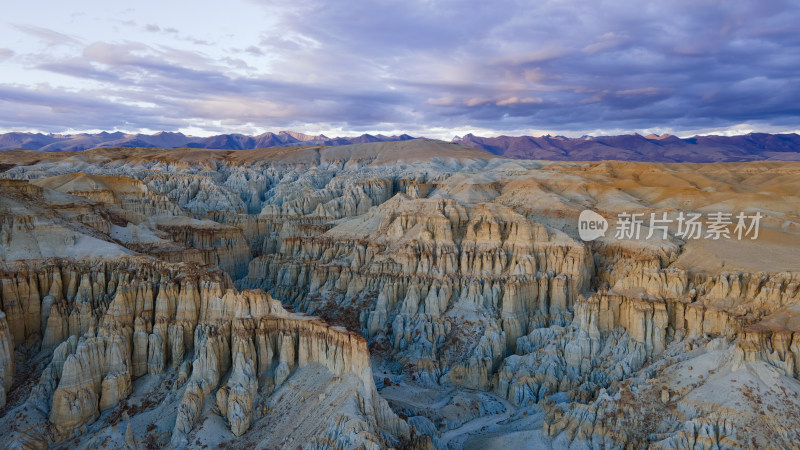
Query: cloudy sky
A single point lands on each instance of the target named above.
(425, 67)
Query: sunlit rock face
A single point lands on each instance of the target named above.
(443, 297)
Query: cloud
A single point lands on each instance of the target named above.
(532, 57)
(441, 101)
(607, 41)
(47, 108)
(79, 69)
(516, 100)
(253, 50)
(417, 65)
(153, 28)
(47, 35)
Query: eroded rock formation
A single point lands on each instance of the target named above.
(442, 270)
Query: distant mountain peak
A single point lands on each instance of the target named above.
(298, 136)
(653, 136)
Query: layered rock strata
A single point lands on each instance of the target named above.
(108, 324)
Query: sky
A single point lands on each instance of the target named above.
(422, 67)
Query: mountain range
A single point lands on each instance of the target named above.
(86, 141)
(630, 147)
(635, 147)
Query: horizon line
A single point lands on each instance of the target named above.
(398, 133)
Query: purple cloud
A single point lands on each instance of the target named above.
(6, 53)
(417, 65)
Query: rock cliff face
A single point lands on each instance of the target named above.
(432, 268)
(218, 245)
(442, 272)
(6, 358)
(108, 325)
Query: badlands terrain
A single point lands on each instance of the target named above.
(411, 294)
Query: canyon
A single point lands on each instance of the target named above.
(406, 294)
